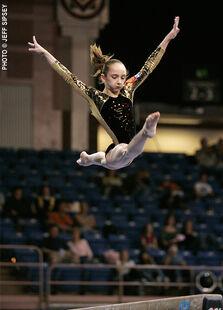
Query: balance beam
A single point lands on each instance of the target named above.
(191, 302)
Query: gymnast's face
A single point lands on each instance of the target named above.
(115, 78)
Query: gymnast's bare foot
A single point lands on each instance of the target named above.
(149, 128)
(83, 160)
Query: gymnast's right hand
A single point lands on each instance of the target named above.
(36, 47)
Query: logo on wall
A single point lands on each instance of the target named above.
(83, 8)
(184, 305)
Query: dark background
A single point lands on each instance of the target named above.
(137, 27)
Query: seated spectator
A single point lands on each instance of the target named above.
(44, 204)
(109, 229)
(178, 196)
(148, 237)
(53, 247)
(205, 156)
(61, 218)
(112, 184)
(172, 196)
(169, 232)
(2, 202)
(80, 252)
(150, 274)
(173, 258)
(218, 149)
(123, 265)
(123, 269)
(191, 241)
(85, 221)
(202, 188)
(79, 248)
(17, 207)
(142, 183)
(110, 256)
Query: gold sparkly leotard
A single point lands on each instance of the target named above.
(114, 114)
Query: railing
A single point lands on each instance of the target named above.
(25, 264)
(120, 284)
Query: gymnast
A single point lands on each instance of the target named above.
(113, 107)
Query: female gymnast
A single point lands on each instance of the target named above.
(113, 107)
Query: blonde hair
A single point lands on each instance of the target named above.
(99, 61)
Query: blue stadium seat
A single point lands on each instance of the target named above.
(68, 194)
(26, 255)
(11, 237)
(35, 237)
(141, 219)
(6, 224)
(33, 275)
(118, 242)
(133, 233)
(188, 257)
(23, 169)
(208, 258)
(99, 219)
(12, 180)
(56, 181)
(158, 255)
(65, 236)
(118, 220)
(96, 275)
(31, 224)
(94, 238)
(68, 274)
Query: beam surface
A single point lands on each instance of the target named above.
(191, 302)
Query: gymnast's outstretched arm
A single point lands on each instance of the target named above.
(172, 34)
(69, 77)
(37, 48)
(152, 61)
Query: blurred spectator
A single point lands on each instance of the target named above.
(111, 256)
(85, 221)
(218, 149)
(109, 229)
(112, 184)
(124, 264)
(205, 156)
(2, 202)
(202, 188)
(172, 196)
(53, 247)
(80, 250)
(191, 241)
(169, 232)
(148, 237)
(61, 218)
(151, 275)
(45, 202)
(175, 259)
(178, 197)
(142, 183)
(16, 206)
(123, 269)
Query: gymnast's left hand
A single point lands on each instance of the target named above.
(175, 30)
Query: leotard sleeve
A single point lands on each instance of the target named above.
(71, 79)
(150, 64)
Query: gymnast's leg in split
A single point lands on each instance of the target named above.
(123, 154)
